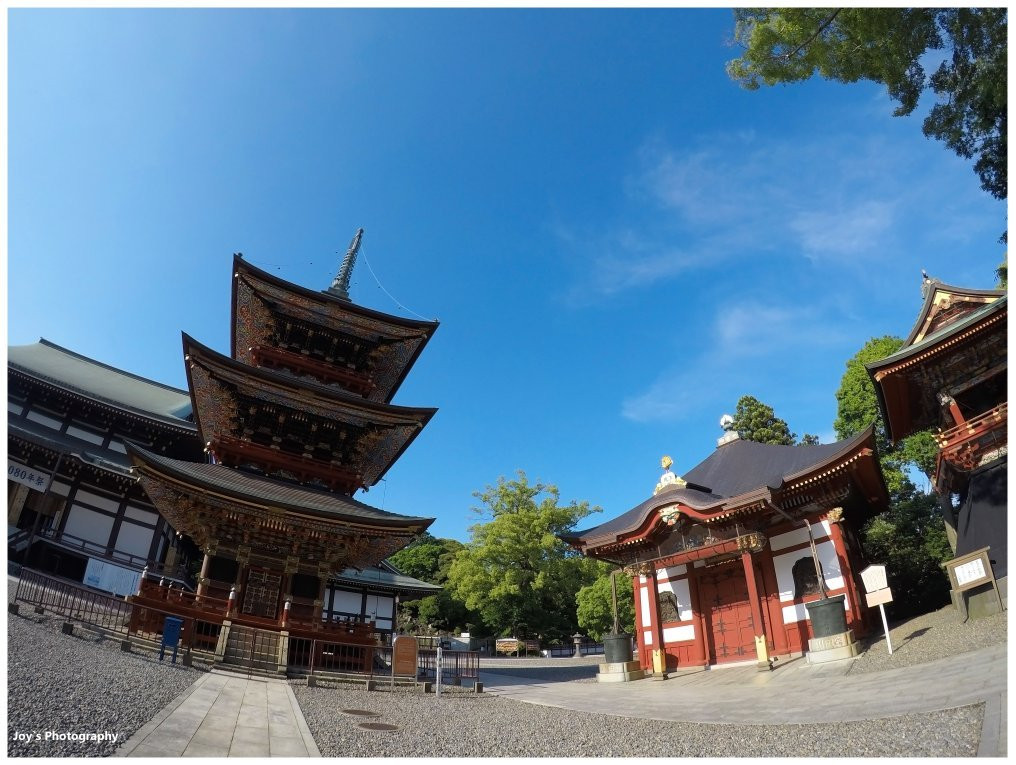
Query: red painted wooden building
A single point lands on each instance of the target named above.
(722, 560)
(951, 375)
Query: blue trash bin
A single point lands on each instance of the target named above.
(170, 636)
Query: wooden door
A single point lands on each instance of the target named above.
(261, 597)
(724, 599)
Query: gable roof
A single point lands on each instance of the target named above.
(81, 376)
(736, 473)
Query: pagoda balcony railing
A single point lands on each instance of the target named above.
(964, 444)
(276, 358)
(233, 451)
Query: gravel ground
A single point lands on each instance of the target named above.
(928, 637)
(463, 724)
(79, 685)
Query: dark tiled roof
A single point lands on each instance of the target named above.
(384, 579)
(91, 379)
(327, 299)
(256, 489)
(737, 469)
(107, 459)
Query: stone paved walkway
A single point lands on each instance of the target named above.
(793, 693)
(224, 715)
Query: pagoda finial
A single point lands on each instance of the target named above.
(340, 284)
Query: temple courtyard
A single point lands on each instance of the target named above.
(941, 693)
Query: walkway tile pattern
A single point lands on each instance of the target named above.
(793, 693)
(224, 715)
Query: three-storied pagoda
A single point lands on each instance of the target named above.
(294, 422)
(724, 558)
(950, 374)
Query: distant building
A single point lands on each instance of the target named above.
(950, 375)
(722, 562)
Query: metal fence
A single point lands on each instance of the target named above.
(246, 648)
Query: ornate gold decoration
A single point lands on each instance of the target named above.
(835, 515)
(753, 541)
(669, 515)
(668, 480)
(638, 569)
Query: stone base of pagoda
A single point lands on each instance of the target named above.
(620, 672)
(832, 648)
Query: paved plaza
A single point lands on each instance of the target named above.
(231, 715)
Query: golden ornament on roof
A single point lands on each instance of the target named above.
(666, 462)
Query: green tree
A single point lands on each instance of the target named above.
(755, 421)
(427, 558)
(888, 45)
(515, 572)
(857, 408)
(910, 538)
(596, 610)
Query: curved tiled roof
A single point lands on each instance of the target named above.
(736, 472)
(257, 490)
(384, 578)
(81, 376)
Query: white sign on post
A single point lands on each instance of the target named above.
(874, 578)
(877, 593)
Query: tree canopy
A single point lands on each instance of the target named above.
(888, 46)
(857, 407)
(515, 571)
(755, 421)
(910, 538)
(596, 608)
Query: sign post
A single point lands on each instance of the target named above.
(878, 593)
(437, 673)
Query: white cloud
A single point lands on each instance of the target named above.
(744, 338)
(859, 229)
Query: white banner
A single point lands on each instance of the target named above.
(26, 476)
(111, 578)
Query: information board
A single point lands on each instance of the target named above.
(111, 578)
(970, 570)
(405, 655)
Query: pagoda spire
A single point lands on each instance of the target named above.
(340, 284)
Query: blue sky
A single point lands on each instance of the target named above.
(618, 240)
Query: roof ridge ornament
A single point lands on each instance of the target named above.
(729, 434)
(340, 284)
(668, 480)
(926, 282)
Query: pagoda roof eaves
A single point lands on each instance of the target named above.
(327, 299)
(247, 488)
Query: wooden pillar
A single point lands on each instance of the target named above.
(855, 613)
(656, 627)
(206, 564)
(320, 601)
(761, 652)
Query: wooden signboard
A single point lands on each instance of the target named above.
(972, 570)
(405, 655)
